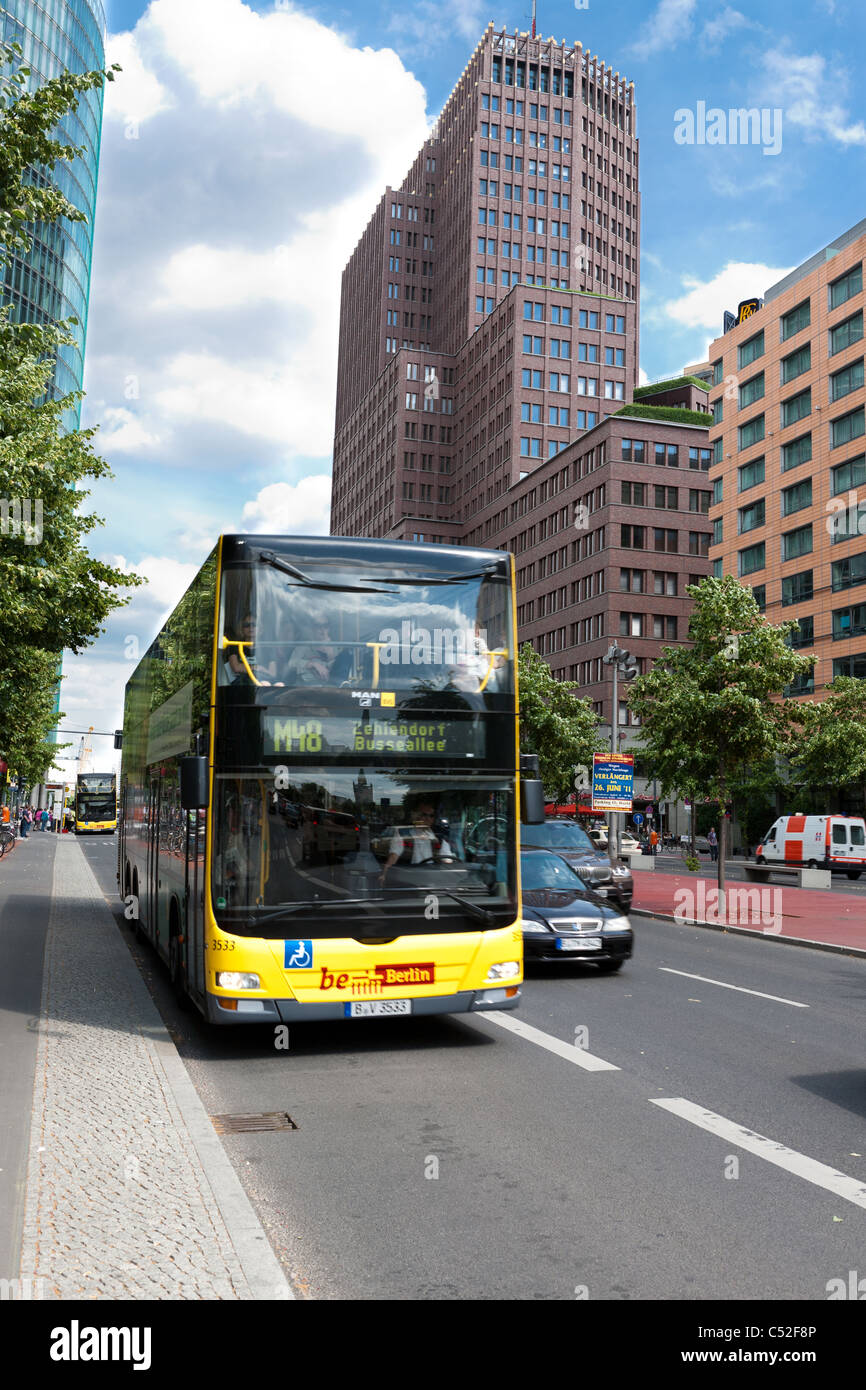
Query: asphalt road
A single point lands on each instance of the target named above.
(705, 1140)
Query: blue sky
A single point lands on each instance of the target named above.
(235, 183)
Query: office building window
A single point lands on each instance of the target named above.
(796, 408)
(843, 289)
(845, 333)
(797, 543)
(752, 558)
(750, 350)
(750, 474)
(795, 320)
(798, 451)
(797, 588)
(796, 364)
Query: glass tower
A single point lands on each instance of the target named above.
(52, 281)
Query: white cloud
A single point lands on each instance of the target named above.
(303, 509)
(224, 225)
(280, 402)
(123, 432)
(671, 22)
(728, 21)
(704, 301)
(812, 94)
(135, 95)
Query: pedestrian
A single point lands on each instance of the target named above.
(654, 842)
(50, 825)
(713, 842)
(26, 822)
(44, 818)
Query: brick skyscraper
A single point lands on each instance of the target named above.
(488, 332)
(530, 178)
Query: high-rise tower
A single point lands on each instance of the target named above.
(529, 178)
(52, 281)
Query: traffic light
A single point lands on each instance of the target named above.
(632, 667)
(118, 738)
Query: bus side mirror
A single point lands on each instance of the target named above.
(531, 791)
(531, 801)
(193, 783)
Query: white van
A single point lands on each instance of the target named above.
(823, 842)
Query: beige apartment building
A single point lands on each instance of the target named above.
(789, 469)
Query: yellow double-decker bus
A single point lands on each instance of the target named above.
(320, 782)
(95, 803)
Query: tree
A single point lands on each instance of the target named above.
(55, 594)
(829, 749)
(710, 711)
(554, 723)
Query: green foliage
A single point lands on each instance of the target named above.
(54, 593)
(27, 120)
(667, 412)
(708, 717)
(692, 863)
(669, 385)
(829, 750)
(554, 723)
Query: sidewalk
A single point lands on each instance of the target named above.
(129, 1193)
(830, 921)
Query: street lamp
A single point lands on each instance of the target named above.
(622, 663)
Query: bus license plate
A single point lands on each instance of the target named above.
(585, 943)
(375, 1008)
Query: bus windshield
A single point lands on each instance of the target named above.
(351, 853)
(408, 632)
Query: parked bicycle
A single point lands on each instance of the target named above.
(7, 838)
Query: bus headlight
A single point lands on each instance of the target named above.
(233, 979)
(504, 970)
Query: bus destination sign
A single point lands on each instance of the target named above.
(429, 737)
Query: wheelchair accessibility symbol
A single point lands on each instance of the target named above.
(298, 955)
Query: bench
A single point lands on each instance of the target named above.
(805, 878)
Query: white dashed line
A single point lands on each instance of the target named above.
(567, 1051)
(851, 1189)
(740, 988)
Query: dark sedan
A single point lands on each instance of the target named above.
(565, 920)
(570, 840)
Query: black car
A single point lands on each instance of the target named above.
(569, 840)
(564, 920)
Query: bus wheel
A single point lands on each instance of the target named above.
(813, 864)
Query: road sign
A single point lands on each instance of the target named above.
(612, 782)
(638, 819)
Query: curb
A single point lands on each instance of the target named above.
(258, 1264)
(833, 946)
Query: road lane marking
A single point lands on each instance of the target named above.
(546, 1040)
(830, 1179)
(740, 988)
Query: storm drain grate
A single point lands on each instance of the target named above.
(247, 1124)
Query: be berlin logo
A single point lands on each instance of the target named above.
(737, 126)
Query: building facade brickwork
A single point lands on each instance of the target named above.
(789, 472)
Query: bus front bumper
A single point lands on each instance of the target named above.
(293, 1011)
